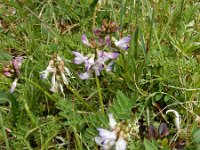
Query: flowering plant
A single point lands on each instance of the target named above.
(59, 73)
(12, 70)
(116, 136)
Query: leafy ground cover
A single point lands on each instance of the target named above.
(100, 74)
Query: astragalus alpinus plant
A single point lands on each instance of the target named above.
(99, 75)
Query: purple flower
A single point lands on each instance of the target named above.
(98, 67)
(85, 40)
(12, 69)
(7, 74)
(104, 56)
(107, 40)
(85, 75)
(17, 62)
(109, 67)
(100, 42)
(123, 43)
(89, 62)
(109, 138)
(94, 65)
(79, 59)
(97, 32)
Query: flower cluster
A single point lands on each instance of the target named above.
(97, 65)
(104, 33)
(12, 70)
(59, 71)
(104, 37)
(102, 40)
(116, 136)
(106, 28)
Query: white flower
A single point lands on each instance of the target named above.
(123, 43)
(54, 85)
(177, 118)
(121, 144)
(110, 138)
(112, 121)
(84, 76)
(106, 139)
(49, 69)
(60, 74)
(14, 84)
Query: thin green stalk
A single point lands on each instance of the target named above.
(80, 98)
(4, 132)
(100, 94)
(154, 29)
(32, 117)
(122, 13)
(40, 88)
(79, 145)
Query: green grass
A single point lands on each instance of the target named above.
(160, 71)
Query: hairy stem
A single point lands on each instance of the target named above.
(100, 94)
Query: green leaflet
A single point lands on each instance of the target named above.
(121, 107)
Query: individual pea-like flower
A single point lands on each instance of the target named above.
(97, 65)
(86, 41)
(12, 70)
(93, 43)
(177, 119)
(60, 74)
(116, 136)
(123, 43)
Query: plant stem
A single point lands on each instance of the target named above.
(100, 94)
(78, 142)
(32, 117)
(4, 132)
(40, 88)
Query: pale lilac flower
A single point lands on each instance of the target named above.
(89, 62)
(110, 138)
(100, 42)
(106, 139)
(17, 62)
(104, 56)
(79, 59)
(109, 67)
(123, 43)
(97, 65)
(85, 40)
(12, 69)
(85, 75)
(107, 40)
(14, 84)
(7, 73)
